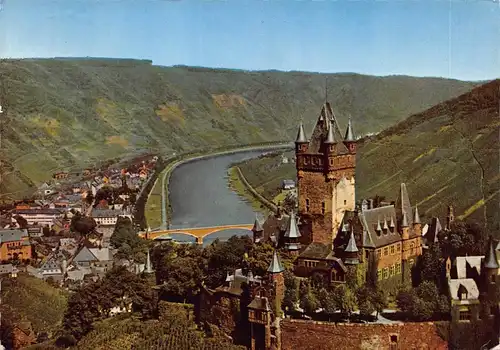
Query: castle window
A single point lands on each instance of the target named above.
(464, 315)
(306, 160)
(386, 273)
(379, 252)
(320, 161)
(379, 275)
(398, 268)
(331, 161)
(386, 251)
(394, 342)
(398, 247)
(392, 270)
(323, 208)
(307, 205)
(345, 202)
(392, 249)
(492, 279)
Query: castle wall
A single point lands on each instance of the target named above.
(343, 199)
(311, 335)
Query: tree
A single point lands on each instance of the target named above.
(308, 301)
(365, 302)
(22, 222)
(430, 265)
(423, 302)
(84, 225)
(327, 301)
(345, 299)
(130, 246)
(465, 238)
(291, 291)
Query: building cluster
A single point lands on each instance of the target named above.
(335, 238)
(36, 236)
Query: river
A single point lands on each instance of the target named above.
(200, 197)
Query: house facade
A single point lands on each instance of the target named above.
(14, 245)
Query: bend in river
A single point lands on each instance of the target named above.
(200, 197)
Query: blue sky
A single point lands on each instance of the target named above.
(457, 39)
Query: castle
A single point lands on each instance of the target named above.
(331, 235)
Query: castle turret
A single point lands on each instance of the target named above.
(301, 140)
(351, 251)
(349, 139)
(491, 262)
(292, 235)
(257, 230)
(405, 228)
(417, 224)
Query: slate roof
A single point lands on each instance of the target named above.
(491, 261)
(257, 227)
(461, 263)
(260, 303)
(106, 213)
(275, 266)
(7, 268)
(468, 283)
(432, 234)
(349, 134)
(320, 132)
(102, 254)
(403, 206)
(275, 225)
(316, 250)
(301, 135)
(370, 220)
(12, 235)
(236, 280)
(351, 246)
(43, 211)
(292, 230)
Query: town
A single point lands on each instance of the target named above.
(329, 260)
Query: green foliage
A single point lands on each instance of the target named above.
(74, 112)
(423, 302)
(179, 270)
(431, 266)
(27, 298)
(94, 301)
(291, 291)
(328, 301)
(371, 299)
(84, 225)
(465, 238)
(129, 244)
(308, 300)
(345, 299)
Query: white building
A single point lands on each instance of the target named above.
(38, 216)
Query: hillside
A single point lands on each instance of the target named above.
(68, 113)
(28, 299)
(448, 154)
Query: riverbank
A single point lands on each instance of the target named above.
(237, 185)
(159, 215)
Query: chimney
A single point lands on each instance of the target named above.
(370, 203)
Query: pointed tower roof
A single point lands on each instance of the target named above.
(349, 135)
(392, 225)
(491, 261)
(149, 268)
(416, 217)
(330, 138)
(275, 266)
(351, 246)
(404, 222)
(385, 224)
(403, 205)
(257, 227)
(301, 135)
(292, 230)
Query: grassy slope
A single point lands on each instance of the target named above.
(30, 299)
(433, 152)
(70, 113)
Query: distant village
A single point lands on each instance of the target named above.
(36, 235)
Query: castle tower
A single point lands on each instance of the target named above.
(292, 236)
(148, 269)
(351, 251)
(490, 297)
(325, 177)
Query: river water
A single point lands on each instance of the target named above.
(200, 197)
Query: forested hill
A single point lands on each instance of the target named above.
(448, 154)
(63, 113)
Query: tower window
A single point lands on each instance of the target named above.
(345, 202)
(323, 208)
(307, 205)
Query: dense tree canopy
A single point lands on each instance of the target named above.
(129, 244)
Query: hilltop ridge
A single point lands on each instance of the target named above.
(71, 113)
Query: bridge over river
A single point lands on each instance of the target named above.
(204, 208)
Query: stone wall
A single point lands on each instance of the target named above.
(305, 335)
